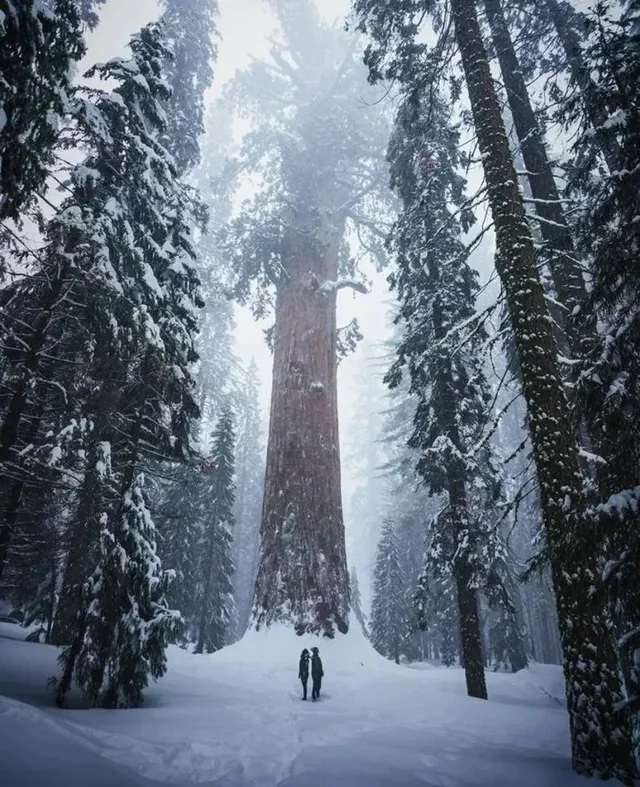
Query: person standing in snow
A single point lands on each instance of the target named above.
(303, 671)
(317, 674)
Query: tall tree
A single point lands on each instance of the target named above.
(437, 291)
(214, 597)
(317, 177)
(600, 738)
(138, 402)
(388, 624)
(609, 233)
(249, 492)
(38, 46)
(190, 27)
(560, 254)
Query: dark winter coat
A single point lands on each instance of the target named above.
(303, 669)
(316, 667)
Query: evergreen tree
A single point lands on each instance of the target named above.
(609, 232)
(355, 602)
(214, 610)
(127, 623)
(181, 505)
(88, 11)
(388, 611)
(140, 398)
(249, 492)
(437, 610)
(39, 42)
(190, 27)
(317, 154)
(437, 292)
(600, 738)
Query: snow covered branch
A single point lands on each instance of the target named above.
(328, 286)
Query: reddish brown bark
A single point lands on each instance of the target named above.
(302, 577)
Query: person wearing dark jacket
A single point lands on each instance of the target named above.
(317, 674)
(303, 671)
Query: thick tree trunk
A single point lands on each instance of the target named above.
(599, 738)
(302, 576)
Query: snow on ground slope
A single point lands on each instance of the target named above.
(236, 718)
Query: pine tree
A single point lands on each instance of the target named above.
(600, 740)
(182, 503)
(88, 11)
(609, 233)
(214, 610)
(140, 403)
(437, 611)
(249, 492)
(437, 291)
(190, 27)
(560, 253)
(355, 602)
(39, 42)
(388, 611)
(127, 623)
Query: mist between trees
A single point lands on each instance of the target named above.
(476, 162)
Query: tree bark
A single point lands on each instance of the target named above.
(470, 634)
(471, 656)
(600, 741)
(302, 576)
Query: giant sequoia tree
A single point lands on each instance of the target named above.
(317, 150)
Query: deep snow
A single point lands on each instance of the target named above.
(236, 718)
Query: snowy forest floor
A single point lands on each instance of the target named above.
(236, 718)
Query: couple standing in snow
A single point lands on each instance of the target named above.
(316, 673)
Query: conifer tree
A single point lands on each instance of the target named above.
(182, 503)
(127, 623)
(388, 625)
(437, 291)
(39, 43)
(140, 400)
(355, 601)
(88, 11)
(249, 492)
(609, 233)
(214, 610)
(600, 738)
(190, 27)
(437, 611)
(289, 249)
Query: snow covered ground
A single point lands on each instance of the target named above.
(236, 718)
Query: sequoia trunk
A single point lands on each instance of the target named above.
(302, 577)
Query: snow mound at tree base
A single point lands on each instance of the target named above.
(236, 719)
(279, 645)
